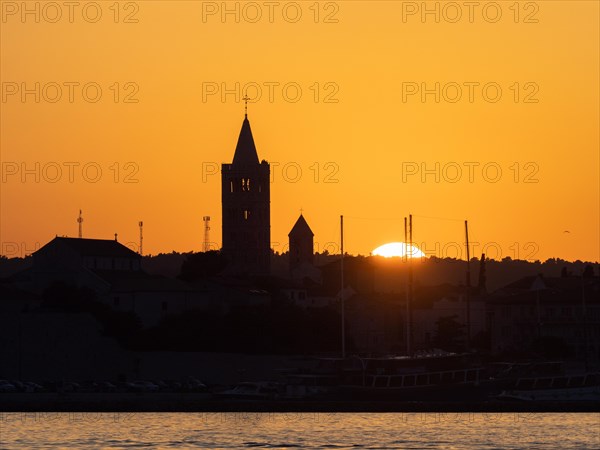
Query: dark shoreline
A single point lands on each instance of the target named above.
(205, 403)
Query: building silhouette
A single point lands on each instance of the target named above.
(246, 222)
(301, 244)
(114, 273)
(78, 262)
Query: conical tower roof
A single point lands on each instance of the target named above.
(301, 228)
(245, 150)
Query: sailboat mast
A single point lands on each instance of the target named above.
(410, 283)
(342, 286)
(407, 289)
(468, 287)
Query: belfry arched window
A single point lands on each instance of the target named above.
(245, 184)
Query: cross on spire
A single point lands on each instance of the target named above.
(246, 98)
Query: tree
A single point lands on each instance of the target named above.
(588, 272)
(199, 266)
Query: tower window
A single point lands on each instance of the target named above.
(246, 184)
(231, 186)
(246, 214)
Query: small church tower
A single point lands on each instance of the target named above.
(301, 244)
(246, 208)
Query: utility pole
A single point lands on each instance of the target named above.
(141, 225)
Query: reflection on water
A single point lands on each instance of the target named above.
(300, 430)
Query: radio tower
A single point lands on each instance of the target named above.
(206, 220)
(80, 222)
(141, 224)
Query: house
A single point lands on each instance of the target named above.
(565, 309)
(77, 261)
(433, 303)
(114, 273)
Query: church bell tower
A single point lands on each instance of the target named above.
(245, 197)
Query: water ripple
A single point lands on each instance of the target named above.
(307, 431)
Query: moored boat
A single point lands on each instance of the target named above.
(574, 387)
(427, 375)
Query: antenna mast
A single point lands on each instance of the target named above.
(80, 222)
(206, 246)
(141, 225)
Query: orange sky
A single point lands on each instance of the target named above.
(366, 139)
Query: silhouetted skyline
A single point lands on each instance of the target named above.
(410, 116)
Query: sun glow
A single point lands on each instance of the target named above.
(398, 249)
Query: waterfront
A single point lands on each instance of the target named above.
(300, 430)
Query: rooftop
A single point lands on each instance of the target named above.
(94, 247)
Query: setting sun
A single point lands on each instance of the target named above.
(398, 249)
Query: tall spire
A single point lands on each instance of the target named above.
(245, 150)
